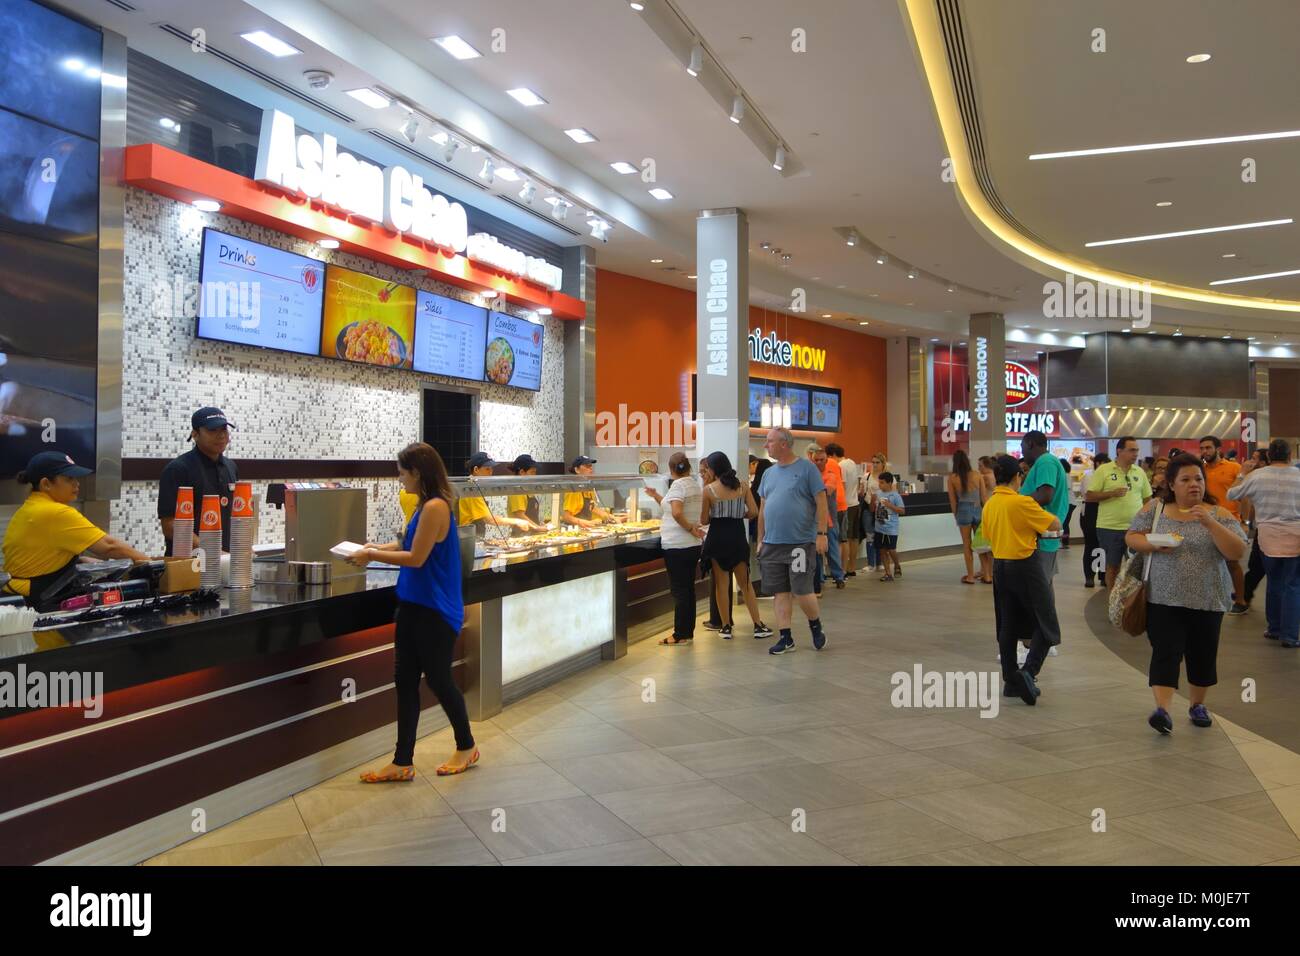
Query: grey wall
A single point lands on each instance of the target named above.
(1155, 365)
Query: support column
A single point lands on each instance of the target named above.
(580, 355)
(988, 400)
(722, 334)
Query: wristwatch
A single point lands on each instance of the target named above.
(821, 534)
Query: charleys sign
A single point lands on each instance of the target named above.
(394, 196)
(1021, 387)
(1022, 384)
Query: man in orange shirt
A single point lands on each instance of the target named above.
(1219, 477)
(834, 482)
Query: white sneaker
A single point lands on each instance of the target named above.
(1053, 652)
(1022, 654)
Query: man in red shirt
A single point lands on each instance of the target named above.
(1220, 474)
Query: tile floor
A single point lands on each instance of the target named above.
(745, 759)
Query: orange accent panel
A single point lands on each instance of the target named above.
(169, 173)
(647, 357)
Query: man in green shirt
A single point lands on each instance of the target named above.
(1121, 489)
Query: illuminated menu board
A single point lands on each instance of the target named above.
(798, 399)
(825, 409)
(450, 337)
(514, 351)
(367, 319)
(253, 294)
(758, 390)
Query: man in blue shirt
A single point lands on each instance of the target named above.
(791, 534)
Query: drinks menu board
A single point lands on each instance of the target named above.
(367, 319)
(825, 409)
(514, 351)
(253, 294)
(798, 399)
(450, 336)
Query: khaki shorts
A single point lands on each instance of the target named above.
(851, 523)
(787, 568)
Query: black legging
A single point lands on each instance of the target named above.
(680, 563)
(424, 645)
(1088, 522)
(1254, 570)
(1065, 532)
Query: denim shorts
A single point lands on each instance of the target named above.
(968, 513)
(1112, 542)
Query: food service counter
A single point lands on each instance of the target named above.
(201, 715)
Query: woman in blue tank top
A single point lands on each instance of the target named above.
(430, 612)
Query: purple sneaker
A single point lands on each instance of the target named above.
(1199, 715)
(1161, 721)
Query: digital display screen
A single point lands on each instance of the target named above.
(514, 351)
(757, 391)
(825, 409)
(798, 399)
(450, 337)
(253, 294)
(367, 319)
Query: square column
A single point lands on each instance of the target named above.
(722, 334)
(988, 400)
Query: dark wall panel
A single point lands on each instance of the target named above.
(1283, 402)
(1077, 371)
(1159, 365)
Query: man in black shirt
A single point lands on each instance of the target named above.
(204, 468)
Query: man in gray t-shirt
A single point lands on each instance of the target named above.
(791, 533)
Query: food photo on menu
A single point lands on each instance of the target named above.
(514, 351)
(368, 319)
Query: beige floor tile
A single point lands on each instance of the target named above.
(1267, 759)
(678, 730)
(781, 790)
(1080, 846)
(1212, 834)
(1176, 773)
(1256, 807)
(1092, 748)
(883, 831)
(759, 843)
(807, 690)
(774, 718)
(432, 841)
(580, 742)
(827, 744)
(631, 853)
(499, 750)
(993, 811)
(726, 697)
(605, 773)
(720, 758)
(634, 708)
(1294, 861)
(595, 685)
(678, 807)
(274, 851)
(1000, 760)
(977, 854)
(485, 787)
(1287, 801)
(903, 774)
(549, 826)
(1083, 791)
(924, 732)
(551, 714)
(278, 821)
(360, 804)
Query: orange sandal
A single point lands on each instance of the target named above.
(447, 770)
(372, 776)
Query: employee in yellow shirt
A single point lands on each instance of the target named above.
(525, 507)
(583, 507)
(1025, 604)
(47, 535)
(473, 509)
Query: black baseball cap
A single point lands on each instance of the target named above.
(522, 463)
(480, 459)
(210, 417)
(582, 460)
(50, 464)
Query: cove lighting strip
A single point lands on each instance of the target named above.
(1263, 275)
(1176, 144)
(1190, 232)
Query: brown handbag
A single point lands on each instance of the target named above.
(1133, 617)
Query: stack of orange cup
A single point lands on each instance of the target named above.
(183, 523)
(242, 523)
(210, 542)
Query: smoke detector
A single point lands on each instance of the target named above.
(318, 79)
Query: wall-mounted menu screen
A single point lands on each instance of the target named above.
(758, 390)
(825, 409)
(450, 337)
(797, 396)
(253, 294)
(514, 351)
(367, 319)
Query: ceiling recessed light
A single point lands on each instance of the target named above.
(1178, 332)
(1228, 255)
(622, 168)
(661, 193)
(1190, 232)
(1263, 275)
(327, 243)
(457, 47)
(1198, 58)
(1126, 330)
(656, 261)
(272, 45)
(206, 205)
(636, 5)
(1165, 203)
(826, 315)
(579, 135)
(166, 122)
(371, 98)
(864, 323)
(488, 294)
(544, 311)
(1227, 336)
(881, 258)
(526, 96)
(692, 276)
(1173, 144)
(911, 273)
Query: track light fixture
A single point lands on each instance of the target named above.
(449, 150)
(852, 239)
(778, 162)
(411, 128)
(697, 60)
(488, 172)
(529, 192)
(737, 109)
(881, 258)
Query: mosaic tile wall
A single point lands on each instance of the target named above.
(285, 405)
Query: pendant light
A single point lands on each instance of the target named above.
(785, 403)
(765, 412)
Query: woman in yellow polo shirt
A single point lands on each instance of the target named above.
(46, 534)
(525, 507)
(473, 509)
(583, 507)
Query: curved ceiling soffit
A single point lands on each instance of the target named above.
(935, 29)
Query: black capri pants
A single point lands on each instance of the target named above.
(1183, 634)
